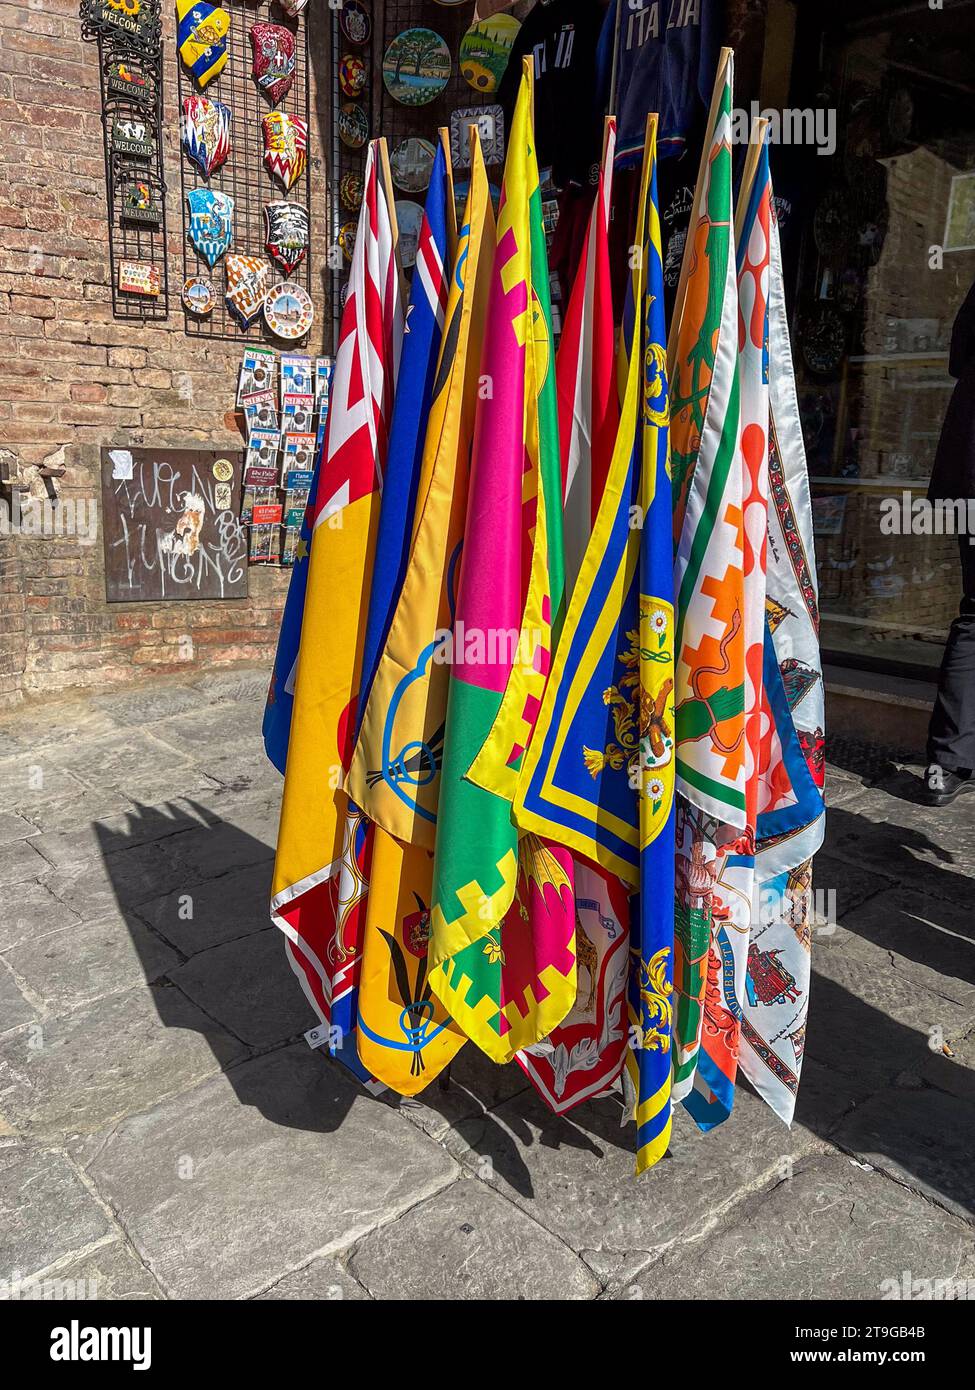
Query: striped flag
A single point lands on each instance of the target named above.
(599, 771)
(584, 1054)
(708, 576)
(403, 1037)
(321, 867)
(586, 375)
(712, 1097)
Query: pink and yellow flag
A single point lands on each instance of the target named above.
(502, 945)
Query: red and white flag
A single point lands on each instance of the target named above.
(321, 868)
(585, 373)
(584, 1054)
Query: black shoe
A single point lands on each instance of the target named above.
(941, 785)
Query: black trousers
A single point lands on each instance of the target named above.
(951, 733)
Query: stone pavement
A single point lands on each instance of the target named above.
(165, 1131)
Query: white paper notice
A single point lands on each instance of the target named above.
(121, 464)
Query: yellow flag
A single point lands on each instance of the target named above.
(404, 1034)
(395, 771)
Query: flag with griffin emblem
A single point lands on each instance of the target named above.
(321, 867)
(600, 770)
(502, 944)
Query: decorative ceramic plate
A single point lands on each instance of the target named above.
(355, 22)
(409, 216)
(416, 67)
(350, 190)
(288, 310)
(198, 295)
(353, 126)
(411, 164)
(485, 50)
(352, 75)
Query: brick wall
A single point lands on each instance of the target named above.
(73, 379)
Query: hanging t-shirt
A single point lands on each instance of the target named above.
(561, 36)
(666, 59)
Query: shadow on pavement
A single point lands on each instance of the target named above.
(245, 1001)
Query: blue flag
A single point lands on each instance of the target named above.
(407, 431)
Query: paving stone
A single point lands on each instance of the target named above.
(475, 1085)
(111, 1272)
(218, 686)
(15, 1009)
(14, 827)
(226, 908)
(952, 1071)
(81, 1072)
(132, 762)
(469, 1243)
(20, 862)
(574, 1174)
(126, 827)
(232, 727)
(931, 850)
(148, 704)
(241, 773)
(320, 1281)
(32, 912)
(230, 1186)
(82, 963)
(46, 1212)
(125, 874)
(931, 941)
(849, 885)
(924, 1138)
(869, 1020)
(831, 1231)
(249, 987)
(34, 780)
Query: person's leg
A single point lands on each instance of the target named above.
(951, 733)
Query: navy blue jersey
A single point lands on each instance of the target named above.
(561, 38)
(666, 58)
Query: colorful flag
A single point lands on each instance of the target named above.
(586, 375)
(649, 1061)
(395, 770)
(502, 945)
(584, 1054)
(791, 815)
(712, 1097)
(320, 872)
(708, 574)
(600, 770)
(403, 1036)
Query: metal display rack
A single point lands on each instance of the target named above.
(389, 117)
(244, 176)
(137, 50)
